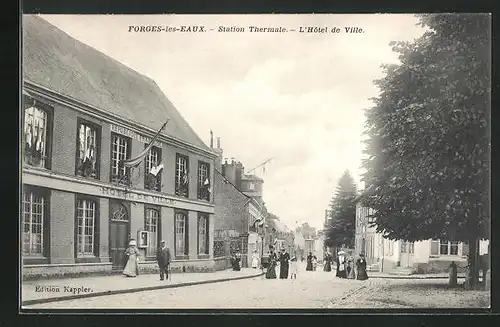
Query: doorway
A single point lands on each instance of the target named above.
(119, 234)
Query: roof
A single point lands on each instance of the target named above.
(279, 226)
(251, 178)
(54, 60)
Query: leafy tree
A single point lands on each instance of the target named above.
(428, 166)
(340, 229)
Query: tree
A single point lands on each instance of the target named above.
(427, 171)
(340, 229)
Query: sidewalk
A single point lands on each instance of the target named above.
(34, 292)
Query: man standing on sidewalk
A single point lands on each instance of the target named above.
(163, 258)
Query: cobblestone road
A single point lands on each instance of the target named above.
(310, 290)
(413, 293)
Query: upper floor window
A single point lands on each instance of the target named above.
(204, 188)
(35, 222)
(86, 222)
(182, 176)
(87, 163)
(37, 122)
(153, 168)
(120, 150)
(251, 186)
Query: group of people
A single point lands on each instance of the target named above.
(163, 259)
(312, 262)
(288, 265)
(346, 267)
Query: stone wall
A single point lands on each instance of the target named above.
(437, 266)
(229, 206)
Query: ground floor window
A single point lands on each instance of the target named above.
(448, 248)
(407, 247)
(35, 222)
(151, 225)
(203, 234)
(219, 249)
(181, 234)
(86, 217)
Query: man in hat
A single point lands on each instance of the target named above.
(163, 258)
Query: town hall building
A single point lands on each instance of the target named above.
(83, 113)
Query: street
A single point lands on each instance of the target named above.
(311, 289)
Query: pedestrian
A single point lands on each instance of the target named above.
(236, 262)
(341, 272)
(132, 267)
(361, 266)
(284, 259)
(350, 268)
(452, 274)
(271, 270)
(255, 259)
(293, 267)
(309, 265)
(328, 262)
(315, 262)
(163, 259)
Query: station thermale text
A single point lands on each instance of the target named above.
(240, 29)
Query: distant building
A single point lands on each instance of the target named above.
(282, 237)
(424, 256)
(236, 214)
(300, 245)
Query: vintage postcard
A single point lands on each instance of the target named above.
(255, 161)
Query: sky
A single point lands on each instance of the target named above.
(296, 97)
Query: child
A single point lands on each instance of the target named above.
(293, 267)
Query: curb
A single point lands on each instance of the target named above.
(133, 290)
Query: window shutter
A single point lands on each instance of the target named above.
(434, 247)
(465, 249)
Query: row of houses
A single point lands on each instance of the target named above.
(83, 113)
(428, 256)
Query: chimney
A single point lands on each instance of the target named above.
(211, 139)
(218, 160)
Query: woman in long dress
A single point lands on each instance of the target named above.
(284, 264)
(132, 267)
(341, 267)
(271, 269)
(328, 263)
(255, 259)
(350, 269)
(315, 262)
(361, 265)
(309, 266)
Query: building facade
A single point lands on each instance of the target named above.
(419, 257)
(83, 114)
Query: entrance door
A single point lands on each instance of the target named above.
(407, 254)
(118, 235)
